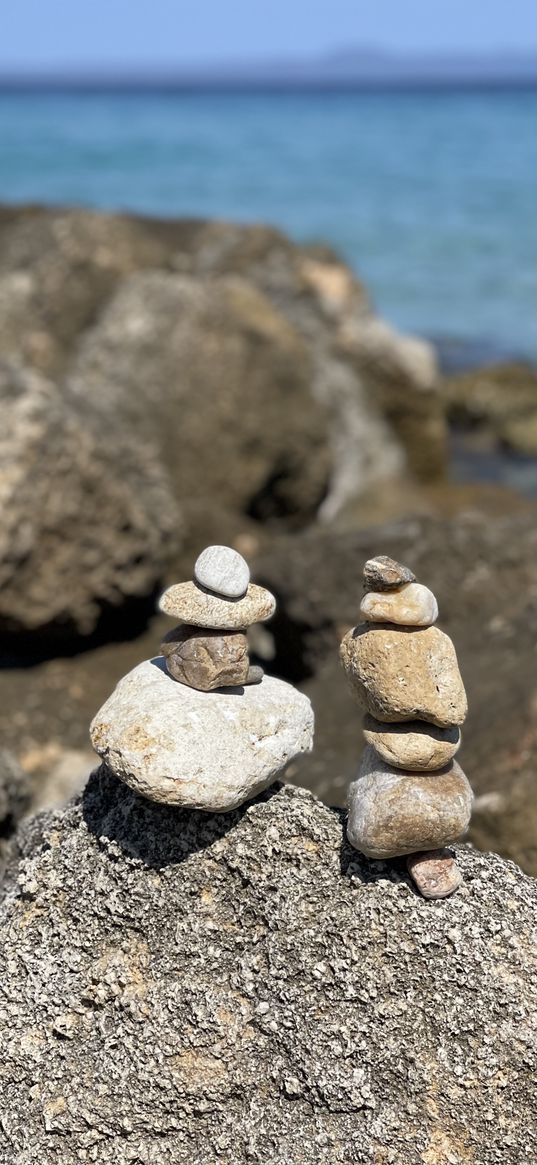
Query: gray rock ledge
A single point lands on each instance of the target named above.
(177, 987)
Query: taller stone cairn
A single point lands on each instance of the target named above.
(410, 797)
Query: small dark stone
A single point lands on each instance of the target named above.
(385, 574)
(206, 659)
(255, 675)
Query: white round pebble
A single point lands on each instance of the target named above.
(223, 571)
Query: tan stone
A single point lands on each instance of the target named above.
(434, 873)
(192, 604)
(206, 659)
(412, 605)
(392, 813)
(413, 745)
(401, 674)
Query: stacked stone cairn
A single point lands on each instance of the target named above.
(410, 797)
(198, 726)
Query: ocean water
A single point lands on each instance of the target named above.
(432, 196)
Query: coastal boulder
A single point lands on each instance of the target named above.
(178, 987)
(87, 520)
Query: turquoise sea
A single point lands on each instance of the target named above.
(432, 196)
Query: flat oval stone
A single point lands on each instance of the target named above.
(392, 813)
(403, 674)
(414, 745)
(201, 750)
(189, 602)
(413, 605)
(206, 660)
(222, 570)
(385, 574)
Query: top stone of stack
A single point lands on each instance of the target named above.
(221, 597)
(385, 574)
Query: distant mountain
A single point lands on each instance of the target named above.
(354, 66)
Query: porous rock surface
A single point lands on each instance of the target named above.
(179, 988)
(205, 750)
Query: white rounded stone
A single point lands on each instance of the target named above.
(413, 605)
(222, 570)
(200, 750)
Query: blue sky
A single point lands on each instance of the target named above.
(48, 34)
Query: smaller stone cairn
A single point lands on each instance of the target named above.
(199, 726)
(410, 797)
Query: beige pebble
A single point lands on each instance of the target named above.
(401, 674)
(412, 606)
(190, 603)
(413, 745)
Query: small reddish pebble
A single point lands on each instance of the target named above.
(435, 873)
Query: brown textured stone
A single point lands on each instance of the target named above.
(205, 659)
(202, 608)
(412, 745)
(435, 873)
(392, 813)
(385, 574)
(401, 674)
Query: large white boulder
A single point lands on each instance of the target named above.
(201, 750)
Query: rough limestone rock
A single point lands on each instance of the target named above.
(180, 988)
(87, 519)
(392, 812)
(414, 605)
(204, 750)
(402, 674)
(190, 602)
(414, 744)
(206, 659)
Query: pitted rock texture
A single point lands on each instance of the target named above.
(204, 750)
(206, 659)
(393, 812)
(179, 988)
(405, 674)
(412, 744)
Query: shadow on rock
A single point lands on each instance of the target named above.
(157, 835)
(357, 868)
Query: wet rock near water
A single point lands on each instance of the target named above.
(247, 988)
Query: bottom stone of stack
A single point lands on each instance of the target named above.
(200, 750)
(393, 812)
